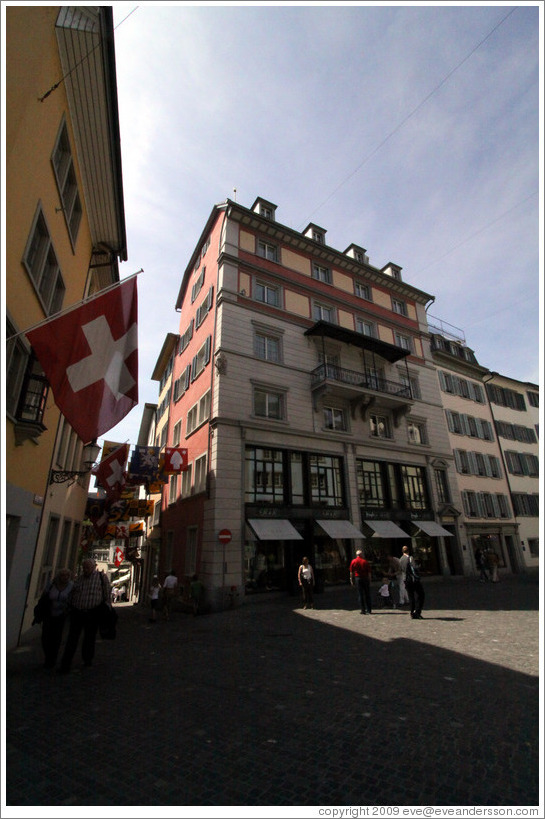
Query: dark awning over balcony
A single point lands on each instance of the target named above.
(390, 352)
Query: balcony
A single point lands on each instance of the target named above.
(362, 389)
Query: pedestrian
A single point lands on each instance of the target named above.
(305, 577)
(56, 605)
(115, 593)
(384, 593)
(91, 589)
(493, 560)
(154, 595)
(360, 577)
(396, 569)
(169, 591)
(480, 559)
(413, 584)
(196, 593)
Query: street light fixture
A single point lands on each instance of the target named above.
(89, 457)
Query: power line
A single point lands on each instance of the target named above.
(411, 114)
(477, 232)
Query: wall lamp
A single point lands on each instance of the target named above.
(89, 456)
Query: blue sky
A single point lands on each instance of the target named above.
(410, 130)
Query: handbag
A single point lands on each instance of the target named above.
(107, 622)
(42, 608)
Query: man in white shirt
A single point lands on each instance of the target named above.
(169, 588)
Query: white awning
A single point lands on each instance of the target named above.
(386, 528)
(274, 529)
(340, 528)
(430, 527)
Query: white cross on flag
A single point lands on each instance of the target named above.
(90, 358)
(110, 473)
(119, 556)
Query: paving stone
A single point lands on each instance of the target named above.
(271, 705)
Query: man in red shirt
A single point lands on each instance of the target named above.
(360, 576)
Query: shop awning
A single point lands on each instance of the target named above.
(430, 527)
(340, 528)
(274, 529)
(385, 528)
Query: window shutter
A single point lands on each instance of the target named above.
(208, 346)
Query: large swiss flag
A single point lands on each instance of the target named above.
(90, 358)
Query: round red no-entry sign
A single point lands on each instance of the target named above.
(224, 536)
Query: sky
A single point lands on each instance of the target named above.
(410, 130)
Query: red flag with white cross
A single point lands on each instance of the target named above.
(119, 556)
(110, 472)
(90, 357)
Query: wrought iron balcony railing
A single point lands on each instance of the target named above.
(365, 381)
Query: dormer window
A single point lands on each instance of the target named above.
(265, 209)
(316, 233)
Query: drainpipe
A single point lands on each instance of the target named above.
(519, 567)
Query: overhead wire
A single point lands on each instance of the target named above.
(412, 113)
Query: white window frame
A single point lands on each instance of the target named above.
(364, 324)
(269, 395)
(318, 310)
(266, 250)
(321, 273)
(266, 290)
(399, 307)
(335, 419)
(363, 291)
(40, 262)
(200, 473)
(67, 183)
(379, 426)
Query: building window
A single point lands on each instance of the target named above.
(405, 342)
(533, 400)
(326, 480)
(414, 487)
(370, 480)
(411, 384)
(267, 251)
(17, 357)
(267, 294)
(191, 551)
(176, 435)
(318, 237)
(65, 176)
(366, 328)
(200, 474)
(197, 286)
(48, 553)
(505, 397)
(267, 347)
(268, 404)
(334, 418)
(442, 486)
(186, 481)
(380, 426)
(533, 545)
(264, 481)
(399, 307)
(41, 264)
(204, 408)
(204, 308)
(362, 291)
(201, 359)
(322, 313)
(321, 273)
(172, 488)
(416, 431)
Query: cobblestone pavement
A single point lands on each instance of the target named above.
(271, 705)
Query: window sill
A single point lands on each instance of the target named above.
(27, 431)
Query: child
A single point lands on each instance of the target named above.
(384, 593)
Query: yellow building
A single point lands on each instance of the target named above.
(65, 236)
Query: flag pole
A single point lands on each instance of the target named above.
(75, 306)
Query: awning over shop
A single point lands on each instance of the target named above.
(122, 578)
(430, 527)
(340, 528)
(385, 528)
(274, 529)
